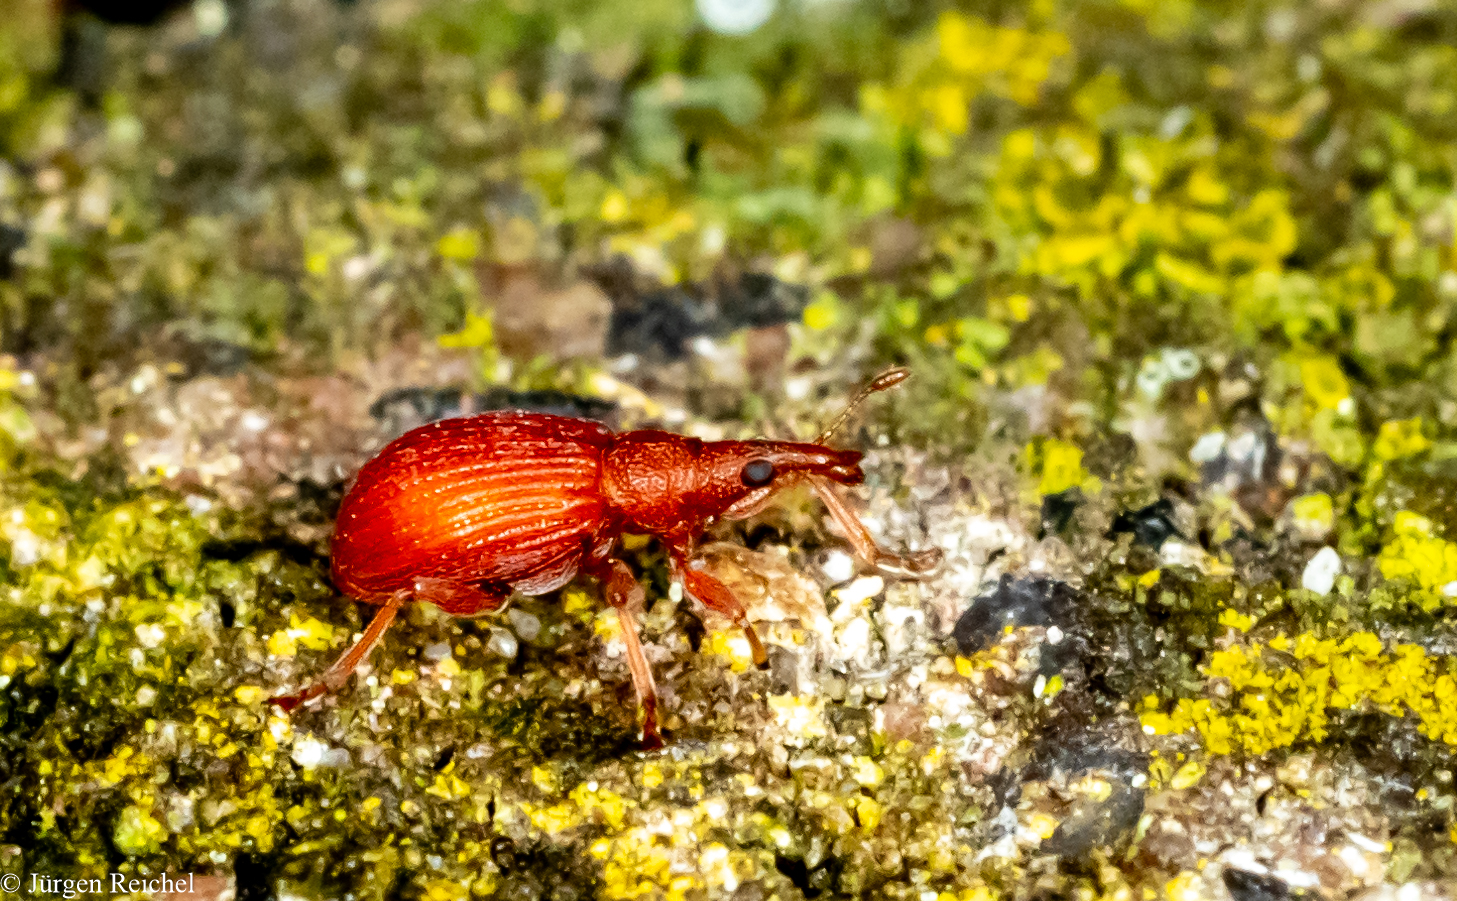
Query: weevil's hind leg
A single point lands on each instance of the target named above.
(626, 597)
(335, 676)
(452, 597)
(914, 565)
(716, 596)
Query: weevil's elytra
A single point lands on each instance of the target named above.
(463, 512)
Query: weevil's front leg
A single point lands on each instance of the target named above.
(626, 596)
(335, 676)
(914, 565)
(716, 596)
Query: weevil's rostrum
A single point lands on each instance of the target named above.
(463, 512)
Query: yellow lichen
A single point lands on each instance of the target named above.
(1058, 466)
(1275, 701)
(733, 647)
(460, 244)
(1417, 556)
(138, 832)
(1400, 438)
(1313, 515)
(1236, 620)
(1325, 385)
(652, 775)
(1062, 467)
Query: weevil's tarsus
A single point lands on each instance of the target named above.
(916, 565)
(335, 676)
(626, 596)
(883, 382)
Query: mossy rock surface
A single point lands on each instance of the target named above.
(1177, 283)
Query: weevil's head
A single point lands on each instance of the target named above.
(663, 484)
(740, 477)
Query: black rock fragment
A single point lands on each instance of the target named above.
(1246, 886)
(210, 356)
(657, 322)
(1092, 823)
(1151, 526)
(759, 300)
(131, 12)
(812, 883)
(1016, 603)
(1058, 510)
(11, 240)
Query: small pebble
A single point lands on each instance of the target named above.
(1181, 364)
(308, 752)
(838, 567)
(855, 640)
(150, 635)
(502, 642)
(525, 625)
(1321, 571)
(862, 589)
(735, 17)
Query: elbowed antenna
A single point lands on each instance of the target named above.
(883, 382)
(915, 565)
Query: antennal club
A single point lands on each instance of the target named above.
(883, 382)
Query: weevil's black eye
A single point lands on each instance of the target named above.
(758, 473)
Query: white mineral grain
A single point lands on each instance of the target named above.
(854, 640)
(503, 643)
(838, 567)
(150, 635)
(525, 625)
(309, 752)
(1320, 573)
(859, 591)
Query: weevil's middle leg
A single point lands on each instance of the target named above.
(626, 596)
(915, 565)
(335, 676)
(716, 596)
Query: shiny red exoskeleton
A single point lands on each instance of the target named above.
(464, 512)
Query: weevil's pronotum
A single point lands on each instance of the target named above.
(463, 512)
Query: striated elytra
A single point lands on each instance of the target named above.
(463, 512)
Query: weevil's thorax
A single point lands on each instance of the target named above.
(665, 484)
(650, 478)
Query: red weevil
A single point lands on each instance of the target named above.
(463, 512)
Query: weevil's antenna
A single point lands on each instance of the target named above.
(913, 565)
(885, 381)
